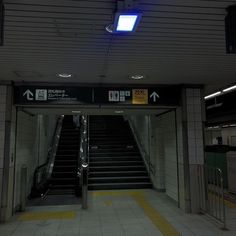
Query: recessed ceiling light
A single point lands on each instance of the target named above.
(119, 112)
(137, 77)
(64, 75)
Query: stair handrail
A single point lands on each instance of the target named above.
(82, 173)
(143, 152)
(43, 172)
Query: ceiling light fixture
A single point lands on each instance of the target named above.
(126, 18)
(213, 95)
(137, 77)
(126, 22)
(64, 75)
(229, 89)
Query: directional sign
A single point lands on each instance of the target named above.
(121, 96)
(53, 95)
(163, 96)
(29, 95)
(140, 96)
(154, 96)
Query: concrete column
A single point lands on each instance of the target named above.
(193, 118)
(7, 134)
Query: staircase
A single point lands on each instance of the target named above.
(63, 179)
(114, 160)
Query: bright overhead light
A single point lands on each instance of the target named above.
(126, 22)
(64, 75)
(213, 95)
(229, 89)
(137, 77)
(119, 112)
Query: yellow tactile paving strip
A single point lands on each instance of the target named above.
(31, 216)
(139, 196)
(230, 204)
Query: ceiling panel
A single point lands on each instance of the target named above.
(177, 41)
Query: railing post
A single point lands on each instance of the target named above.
(223, 200)
(23, 184)
(84, 177)
(83, 160)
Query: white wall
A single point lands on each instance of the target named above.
(157, 153)
(211, 135)
(169, 134)
(2, 132)
(163, 150)
(34, 134)
(7, 144)
(229, 136)
(25, 151)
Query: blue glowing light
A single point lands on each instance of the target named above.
(126, 22)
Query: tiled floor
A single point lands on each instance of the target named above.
(117, 213)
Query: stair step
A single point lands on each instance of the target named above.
(65, 164)
(118, 158)
(64, 174)
(61, 186)
(115, 145)
(117, 173)
(61, 192)
(112, 150)
(105, 154)
(126, 179)
(116, 168)
(116, 163)
(106, 186)
(67, 152)
(62, 181)
(67, 155)
(64, 168)
(67, 161)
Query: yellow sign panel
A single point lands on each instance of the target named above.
(140, 96)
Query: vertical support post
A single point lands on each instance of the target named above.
(84, 177)
(223, 201)
(193, 143)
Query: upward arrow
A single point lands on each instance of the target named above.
(29, 95)
(154, 96)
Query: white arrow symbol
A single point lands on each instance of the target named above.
(154, 95)
(29, 95)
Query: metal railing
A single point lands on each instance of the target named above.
(141, 147)
(211, 193)
(43, 172)
(83, 160)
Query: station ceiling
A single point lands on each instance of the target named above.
(177, 41)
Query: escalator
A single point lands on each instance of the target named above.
(56, 182)
(64, 175)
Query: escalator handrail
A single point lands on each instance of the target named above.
(82, 173)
